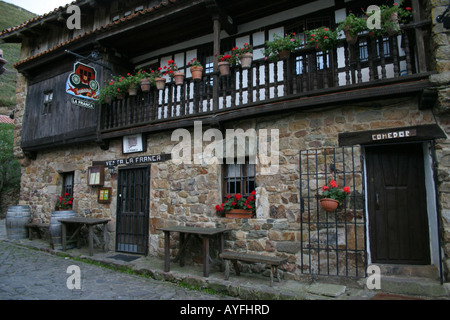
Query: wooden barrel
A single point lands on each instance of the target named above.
(55, 227)
(16, 218)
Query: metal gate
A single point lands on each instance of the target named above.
(133, 210)
(332, 243)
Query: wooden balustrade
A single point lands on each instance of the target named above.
(305, 72)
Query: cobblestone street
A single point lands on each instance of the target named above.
(31, 275)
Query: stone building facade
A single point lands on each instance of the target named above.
(288, 220)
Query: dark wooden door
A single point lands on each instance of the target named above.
(133, 210)
(398, 220)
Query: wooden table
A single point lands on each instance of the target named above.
(185, 233)
(80, 222)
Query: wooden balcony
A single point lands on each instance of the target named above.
(373, 67)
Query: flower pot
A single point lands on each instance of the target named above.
(350, 39)
(224, 68)
(108, 99)
(196, 72)
(145, 85)
(179, 78)
(285, 54)
(238, 213)
(120, 96)
(394, 27)
(160, 83)
(246, 60)
(329, 204)
(132, 90)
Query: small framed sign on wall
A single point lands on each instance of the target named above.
(104, 195)
(134, 143)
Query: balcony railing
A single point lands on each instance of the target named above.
(308, 71)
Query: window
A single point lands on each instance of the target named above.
(68, 183)
(239, 178)
(48, 98)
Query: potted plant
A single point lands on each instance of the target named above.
(108, 93)
(157, 78)
(391, 18)
(352, 26)
(280, 48)
(237, 206)
(145, 81)
(225, 62)
(322, 38)
(332, 196)
(132, 82)
(64, 203)
(196, 69)
(245, 55)
(172, 71)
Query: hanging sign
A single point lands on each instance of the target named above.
(82, 82)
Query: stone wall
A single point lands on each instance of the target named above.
(441, 81)
(186, 194)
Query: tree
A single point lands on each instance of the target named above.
(9, 166)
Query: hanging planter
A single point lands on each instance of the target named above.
(224, 68)
(178, 78)
(246, 60)
(160, 83)
(349, 37)
(145, 85)
(285, 54)
(328, 204)
(394, 25)
(196, 72)
(132, 90)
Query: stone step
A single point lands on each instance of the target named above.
(419, 271)
(415, 286)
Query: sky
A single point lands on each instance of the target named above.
(39, 6)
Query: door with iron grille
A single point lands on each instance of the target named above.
(133, 210)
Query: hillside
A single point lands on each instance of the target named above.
(10, 16)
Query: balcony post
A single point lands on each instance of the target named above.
(216, 48)
(420, 46)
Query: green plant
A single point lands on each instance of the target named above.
(170, 69)
(353, 25)
(231, 58)
(9, 166)
(333, 192)
(322, 38)
(247, 48)
(238, 202)
(194, 63)
(273, 48)
(390, 18)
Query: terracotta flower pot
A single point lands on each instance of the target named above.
(132, 90)
(285, 54)
(238, 213)
(246, 60)
(224, 68)
(179, 78)
(350, 39)
(145, 85)
(196, 72)
(120, 96)
(329, 204)
(160, 83)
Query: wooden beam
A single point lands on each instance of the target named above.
(391, 135)
(218, 12)
(420, 45)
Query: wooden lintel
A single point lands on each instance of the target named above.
(218, 13)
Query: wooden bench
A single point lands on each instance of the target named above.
(234, 257)
(36, 227)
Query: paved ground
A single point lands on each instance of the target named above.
(30, 275)
(32, 270)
